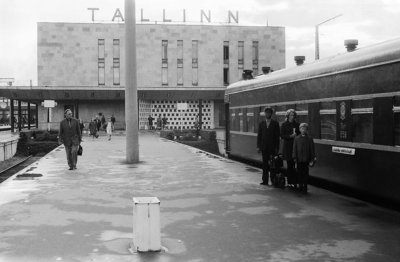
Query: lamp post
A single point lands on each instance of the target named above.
(317, 35)
(131, 108)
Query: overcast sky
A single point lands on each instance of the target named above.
(369, 21)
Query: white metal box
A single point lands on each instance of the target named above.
(146, 224)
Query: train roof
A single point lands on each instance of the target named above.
(382, 53)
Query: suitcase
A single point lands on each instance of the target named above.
(278, 178)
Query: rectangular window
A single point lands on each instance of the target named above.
(195, 62)
(180, 62)
(302, 113)
(254, 54)
(226, 63)
(226, 52)
(250, 120)
(116, 62)
(362, 117)
(164, 62)
(328, 120)
(164, 51)
(280, 113)
(240, 55)
(396, 112)
(101, 62)
(226, 76)
(241, 122)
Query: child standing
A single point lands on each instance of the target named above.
(303, 155)
(109, 128)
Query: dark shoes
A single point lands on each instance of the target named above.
(71, 168)
(264, 184)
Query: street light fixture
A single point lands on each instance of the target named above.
(317, 35)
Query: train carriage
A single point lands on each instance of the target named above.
(351, 102)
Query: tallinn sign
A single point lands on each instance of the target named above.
(204, 17)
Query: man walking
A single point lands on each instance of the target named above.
(70, 135)
(267, 142)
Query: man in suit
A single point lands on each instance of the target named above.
(267, 142)
(70, 135)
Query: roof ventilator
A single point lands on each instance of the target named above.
(299, 59)
(351, 44)
(247, 74)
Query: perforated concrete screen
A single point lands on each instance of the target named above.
(177, 119)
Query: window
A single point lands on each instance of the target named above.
(234, 117)
(101, 62)
(226, 76)
(250, 119)
(241, 122)
(226, 52)
(164, 62)
(362, 118)
(240, 56)
(195, 62)
(254, 55)
(116, 62)
(280, 113)
(396, 111)
(226, 63)
(328, 120)
(302, 113)
(180, 62)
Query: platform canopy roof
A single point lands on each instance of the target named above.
(40, 93)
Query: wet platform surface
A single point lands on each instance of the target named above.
(212, 209)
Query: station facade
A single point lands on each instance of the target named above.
(82, 66)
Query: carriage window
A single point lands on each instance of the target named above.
(396, 111)
(250, 119)
(241, 124)
(362, 117)
(302, 113)
(233, 120)
(328, 120)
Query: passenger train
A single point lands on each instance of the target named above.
(351, 102)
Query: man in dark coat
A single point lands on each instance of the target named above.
(150, 118)
(267, 142)
(70, 135)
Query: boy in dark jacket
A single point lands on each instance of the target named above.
(303, 155)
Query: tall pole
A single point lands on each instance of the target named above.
(131, 108)
(316, 43)
(317, 35)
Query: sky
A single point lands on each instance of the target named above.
(369, 21)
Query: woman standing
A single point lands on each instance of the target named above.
(109, 128)
(289, 130)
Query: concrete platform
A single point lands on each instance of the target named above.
(212, 209)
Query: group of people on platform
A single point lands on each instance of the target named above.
(71, 130)
(161, 123)
(290, 141)
(99, 123)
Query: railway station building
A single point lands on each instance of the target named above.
(82, 66)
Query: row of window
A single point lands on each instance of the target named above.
(175, 106)
(179, 101)
(254, 55)
(101, 62)
(164, 62)
(178, 110)
(351, 120)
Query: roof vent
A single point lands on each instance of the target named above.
(351, 44)
(266, 69)
(299, 59)
(247, 74)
